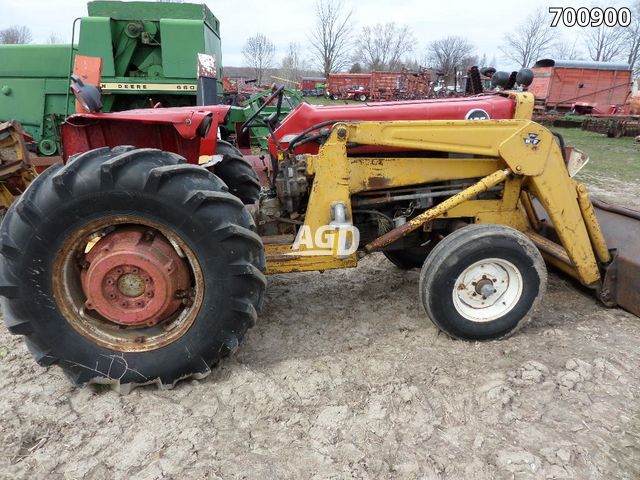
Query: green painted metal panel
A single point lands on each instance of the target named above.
(25, 101)
(95, 41)
(213, 46)
(181, 41)
(29, 61)
(153, 11)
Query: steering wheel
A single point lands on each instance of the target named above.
(274, 116)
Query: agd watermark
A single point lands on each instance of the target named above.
(340, 241)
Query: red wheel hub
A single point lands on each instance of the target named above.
(135, 277)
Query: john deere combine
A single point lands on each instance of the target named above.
(148, 53)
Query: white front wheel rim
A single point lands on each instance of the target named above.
(487, 290)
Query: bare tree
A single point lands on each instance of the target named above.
(258, 54)
(604, 43)
(292, 63)
(530, 40)
(331, 36)
(563, 49)
(16, 34)
(382, 47)
(449, 53)
(54, 39)
(632, 39)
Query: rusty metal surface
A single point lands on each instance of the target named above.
(621, 228)
(207, 66)
(70, 298)
(133, 277)
(14, 156)
(415, 223)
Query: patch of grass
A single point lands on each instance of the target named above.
(616, 158)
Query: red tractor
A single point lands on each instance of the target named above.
(142, 259)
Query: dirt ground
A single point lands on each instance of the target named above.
(344, 377)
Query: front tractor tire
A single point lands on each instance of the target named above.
(128, 266)
(482, 282)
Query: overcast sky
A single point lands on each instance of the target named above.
(283, 21)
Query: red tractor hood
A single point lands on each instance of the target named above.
(304, 116)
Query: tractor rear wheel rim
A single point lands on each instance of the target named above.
(487, 290)
(127, 283)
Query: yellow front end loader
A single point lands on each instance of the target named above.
(129, 266)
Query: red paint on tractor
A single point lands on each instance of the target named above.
(135, 277)
(172, 129)
(176, 129)
(305, 115)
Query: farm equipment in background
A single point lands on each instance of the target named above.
(16, 170)
(236, 90)
(338, 83)
(268, 112)
(313, 86)
(379, 86)
(403, 85)
(594, 96)
(581, 87)
(149, 56)
(149, 268)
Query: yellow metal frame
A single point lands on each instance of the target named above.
(518, 154)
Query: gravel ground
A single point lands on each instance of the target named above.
(343, 377)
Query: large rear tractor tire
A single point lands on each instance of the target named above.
(482, 282)
(128, 267)
(237, 173)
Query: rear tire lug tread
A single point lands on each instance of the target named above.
(248, 270)
(158, 176)
(196, 200)
(111, 169)
(7, 246)
(17, 327)
(44, 358)
(237, 173)
(231, 232)
(81, 158)
(28, 212)
(245, 308)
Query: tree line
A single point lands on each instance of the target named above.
(335, 44)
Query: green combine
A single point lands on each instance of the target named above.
(149, 56)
